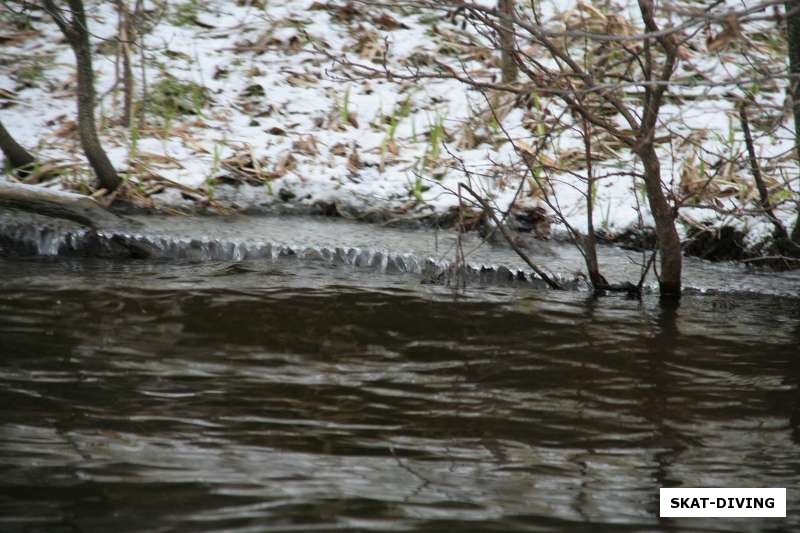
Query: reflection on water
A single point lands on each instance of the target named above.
(241, 397)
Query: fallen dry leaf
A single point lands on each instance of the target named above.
(285, 164)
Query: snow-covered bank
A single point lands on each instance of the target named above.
(246, 109)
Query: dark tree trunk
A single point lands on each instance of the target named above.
(507, 41)
(87, 128)
(18, 157)
(76, 32)
(669, 244)
(793, 36)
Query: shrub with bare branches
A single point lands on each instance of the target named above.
(625, 75)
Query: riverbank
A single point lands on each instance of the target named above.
(380, 254)
(245, 112)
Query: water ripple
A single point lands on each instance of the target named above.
(299, 402)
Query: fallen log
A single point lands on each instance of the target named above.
(69, 206)
(102, 241)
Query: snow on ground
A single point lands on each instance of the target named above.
(280, 123)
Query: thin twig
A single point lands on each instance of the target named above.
(541, 273)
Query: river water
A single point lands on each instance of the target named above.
(289, 394)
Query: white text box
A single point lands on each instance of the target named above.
(747, 502)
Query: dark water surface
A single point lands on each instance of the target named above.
(253, 397)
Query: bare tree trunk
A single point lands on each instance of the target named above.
(87, 128)
(138, 12)
(590, 244)
(18, 157)
(669, 244)
(127, 37)
(793, 35)
(507, 42)
(76, 32)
